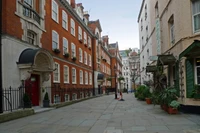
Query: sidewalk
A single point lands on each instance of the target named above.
(105, 115)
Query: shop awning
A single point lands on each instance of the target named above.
(166, 59)
(192, 51)
(150, 68)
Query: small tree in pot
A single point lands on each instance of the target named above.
(46, 100)
(27, 101)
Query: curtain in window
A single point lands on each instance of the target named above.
(196, 15)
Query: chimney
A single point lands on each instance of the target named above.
(106, 39)
(81, 6)
(73, 3)
(86, 15)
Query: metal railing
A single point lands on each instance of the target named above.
(12, 98)
(28, 12)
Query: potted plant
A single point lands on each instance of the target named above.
(109, 78)
(27, 101)
(56, 50)
(173, 107)
(147, 95)
(196, 92)
(66, 55)
(74, 58)
(120, 78)
(46, 100)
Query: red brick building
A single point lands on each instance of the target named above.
(50, 46)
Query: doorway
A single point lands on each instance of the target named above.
(32, 88)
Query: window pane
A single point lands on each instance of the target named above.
(197, 22)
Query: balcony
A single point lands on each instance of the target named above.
(29, 12)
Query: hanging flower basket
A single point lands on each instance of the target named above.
(74, 58)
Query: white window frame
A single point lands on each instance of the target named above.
(172, 34)
(57, 71)
(74, 96)
(72, 27)
(90, 60)
(65, 46)
(66, 73)
(56, 40)
(86, 78)
(56, 98)
(73, 50)
(67, 99)
(195, 14)
(73, 75)
(85, 57)
(64, 20)
(90, 79)
(85, 38)
(81, 77)
(55, 11)
(80, 55)
(80, 36)
(89, 42)
(31, 37)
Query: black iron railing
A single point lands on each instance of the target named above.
(29, 12)
(12, 98)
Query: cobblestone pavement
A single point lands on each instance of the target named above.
(105, 115)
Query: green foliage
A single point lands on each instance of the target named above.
(174, 104)
(109, 78)
(26, 98)
(46, 96)
(120, 78)
(142, 92)
(196, 92)
(168, 95)
(156, 97)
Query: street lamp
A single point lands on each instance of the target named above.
(115, 82)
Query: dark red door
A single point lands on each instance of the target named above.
(32, 88)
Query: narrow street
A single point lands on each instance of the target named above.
(105, 115)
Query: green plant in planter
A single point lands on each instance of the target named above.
(56, 50)
(174, 104)
(120, 78)
(168, 95)
(109, 78)
(27, 101)
(46, 100)
(66, 55)
(74, 58)
(196, 92)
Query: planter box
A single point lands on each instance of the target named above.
(45, 103)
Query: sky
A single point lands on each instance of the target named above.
(118, 19)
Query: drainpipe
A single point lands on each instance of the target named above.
(1, 86)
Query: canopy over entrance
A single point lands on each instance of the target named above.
(38, 60)
(166, 59)
(192, 50)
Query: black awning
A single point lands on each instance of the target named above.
(166, 59)
(192, 51)
(27, 56)
(100, 76)
(152, 68)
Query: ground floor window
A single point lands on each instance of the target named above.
(66, 97)
(198, 71)
(56, 99)
(81, 95)
(86, 94)
(74, 96)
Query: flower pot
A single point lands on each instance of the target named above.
(164, 107)
(172, 110)
(45, 103)
(148, 101)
